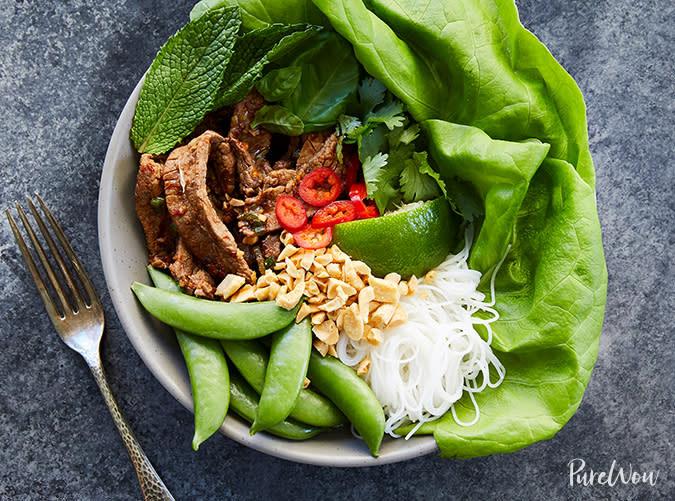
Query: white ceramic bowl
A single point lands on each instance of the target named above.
(124, 259)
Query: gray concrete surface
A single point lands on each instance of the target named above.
(66, 69)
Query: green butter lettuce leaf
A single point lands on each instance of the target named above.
(253, 51)
(499, 171)
(550, 295)
(183, 79)
(507, 134)
(468, 62)
(204, 6)
(257, 14)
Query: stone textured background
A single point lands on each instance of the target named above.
(66, 69)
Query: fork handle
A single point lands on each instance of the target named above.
(152, 486)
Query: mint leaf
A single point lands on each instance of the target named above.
(182, 80)
(253, 51)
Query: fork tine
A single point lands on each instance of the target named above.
(46, 265)
(75, 291)
(70, 253)
(32, 267)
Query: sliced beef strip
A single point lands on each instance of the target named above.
(282, 177)
(160, 237)
(251, 174)
(192, 278)
(257, 140)
(195, 218)
(224, 166)
(319, 150)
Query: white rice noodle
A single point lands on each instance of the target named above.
(424, 366)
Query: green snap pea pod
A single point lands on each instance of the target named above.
(214, 319)
(285, 374)
(207, 367)
(251, 357)
(244, 401)
(351, 394)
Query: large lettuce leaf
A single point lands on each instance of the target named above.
(502, 116)
(550, 291)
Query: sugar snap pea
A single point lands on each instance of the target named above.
(207, 367)
(214, 319)
(244, 401)
(351, 394)
(285, 374)
(251, 357)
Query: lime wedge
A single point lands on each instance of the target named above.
(410, 241)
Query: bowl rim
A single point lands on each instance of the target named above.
(155, 343)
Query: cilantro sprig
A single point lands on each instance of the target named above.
(394, 170)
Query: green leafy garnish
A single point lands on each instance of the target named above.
(279, 84)
(278, 119)
(253, 51)
(158, 203)
(181, 84)
(394, 171)
(329, 76)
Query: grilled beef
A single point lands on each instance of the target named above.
(192, 278)
(187, 198)
(152, 213)
(319, 150)
(257, 140)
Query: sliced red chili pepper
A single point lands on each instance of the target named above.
(320, 187)
(313, 238)
(290, 213)
(353, 165)
(337, 212)
(358, 190)
(357, 194)
(371, 211)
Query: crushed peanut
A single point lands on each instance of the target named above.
(342, 297)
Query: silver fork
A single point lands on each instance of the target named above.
(77, 316)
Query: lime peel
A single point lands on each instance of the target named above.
(410, 241)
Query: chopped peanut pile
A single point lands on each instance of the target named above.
(342, 297)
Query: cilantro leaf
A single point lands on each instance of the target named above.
(371, 94)
(183, 79)
(372, 167)
(416, 185)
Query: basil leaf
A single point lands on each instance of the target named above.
(278, 119)
(279, 84)
(330, 77)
